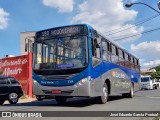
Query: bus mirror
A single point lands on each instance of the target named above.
(94, 34)
(97, 46)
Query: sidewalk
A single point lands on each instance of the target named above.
(27, 100)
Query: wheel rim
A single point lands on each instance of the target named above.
(132, 91)
(105, 93)
(13, 97)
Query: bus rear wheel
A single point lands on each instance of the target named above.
(104, 98)
(60, 99)
(130, 94)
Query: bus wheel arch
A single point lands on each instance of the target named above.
(132, 83)
(108, 83)
(105, 92)
(130, 94)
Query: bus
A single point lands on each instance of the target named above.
(77, 61)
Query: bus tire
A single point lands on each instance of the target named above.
(124, 95)
(155, 86)
(104, 98)
(39, 98)
(60, 99)
(131, 93)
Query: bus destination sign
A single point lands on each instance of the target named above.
(61, 31)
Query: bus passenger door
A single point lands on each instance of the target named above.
(96, 64)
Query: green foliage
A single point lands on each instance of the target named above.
(24, 96)
(156, 118)
(156, 74)
(157, 68)
(1, 72)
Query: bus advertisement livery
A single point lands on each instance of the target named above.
(77, 61)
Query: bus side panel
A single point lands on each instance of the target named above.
(120, 78)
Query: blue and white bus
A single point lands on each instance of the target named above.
(77, 61)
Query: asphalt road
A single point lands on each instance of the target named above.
(145, 100)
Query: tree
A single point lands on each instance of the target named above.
(156, 74)
(157, 68)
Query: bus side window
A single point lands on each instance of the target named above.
(108, 46)
(114, 55)
(104, 50)
(138, 68)
(121, 57)
(126, 60)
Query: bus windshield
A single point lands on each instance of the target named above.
(61, 53)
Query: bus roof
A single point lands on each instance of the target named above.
(90, 27)
(65, 26)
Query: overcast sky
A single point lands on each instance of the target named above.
(105, 15)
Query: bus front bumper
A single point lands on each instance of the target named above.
(79, 89)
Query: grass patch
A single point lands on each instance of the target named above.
(156, 118)
(24, 97)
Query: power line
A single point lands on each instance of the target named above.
(145, 32)
(137, 23)
(134, 25)
(115, 31)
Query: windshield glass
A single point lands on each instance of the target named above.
(61, 53)
(145, 79)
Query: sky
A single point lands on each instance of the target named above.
(110, 17)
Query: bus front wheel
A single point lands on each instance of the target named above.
(39, 98)
(103, 99)
(60, 99)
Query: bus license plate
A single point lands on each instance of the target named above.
(56, 91)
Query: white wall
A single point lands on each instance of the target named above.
(23, 36)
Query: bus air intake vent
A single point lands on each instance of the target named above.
(57, 77)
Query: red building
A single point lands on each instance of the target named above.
(19, 67)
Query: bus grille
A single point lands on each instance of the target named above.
(57, 77)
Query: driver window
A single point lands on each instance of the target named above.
(96, 52)
(96, 48)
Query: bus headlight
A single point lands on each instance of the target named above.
(34, 81)
(83, 81)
